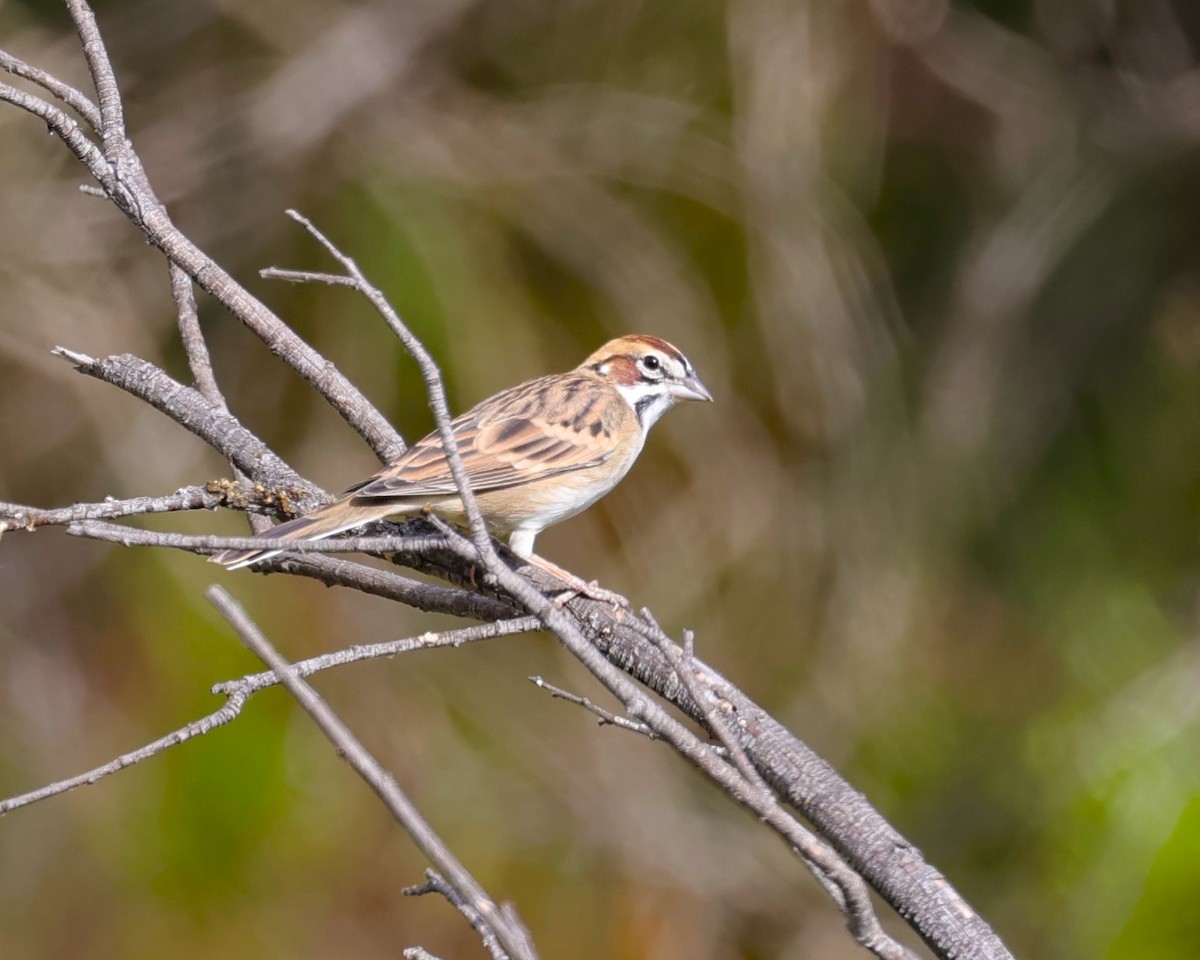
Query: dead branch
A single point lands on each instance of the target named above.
(762, 767)
(238, 692)
(490, 918)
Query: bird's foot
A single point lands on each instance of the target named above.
(577, 586)
(590, 589)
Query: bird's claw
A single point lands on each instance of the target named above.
(593, 591)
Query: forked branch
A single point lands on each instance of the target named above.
(760, 764)
(497, 924)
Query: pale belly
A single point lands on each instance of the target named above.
(531, 507)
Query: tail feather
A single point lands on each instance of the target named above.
(325, 522)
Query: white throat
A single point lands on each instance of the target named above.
(649, 401)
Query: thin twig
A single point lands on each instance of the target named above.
(349, 747)
(188, 408)
(417, 953)
(436, 883)
(435, 390)
(65, 127)
(195, 347)
(329, 570)
(112, 111)
(307, 276)
(135, 537)
(192, 337)
(301, 558)
(75, 99)
(17, 516)
(431, 640)
(238, 692)
(603, 717)
(218, 718)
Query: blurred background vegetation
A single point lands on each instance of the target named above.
(940, 264)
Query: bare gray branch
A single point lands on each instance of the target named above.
(511, 937)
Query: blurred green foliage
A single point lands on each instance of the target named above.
(938, 262)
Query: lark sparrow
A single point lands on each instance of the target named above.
(535, 454)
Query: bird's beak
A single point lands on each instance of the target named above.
(690, 389)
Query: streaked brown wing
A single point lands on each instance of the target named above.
(509, 440)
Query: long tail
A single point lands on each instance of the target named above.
(325, 522)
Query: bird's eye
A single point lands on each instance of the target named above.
(651, 363)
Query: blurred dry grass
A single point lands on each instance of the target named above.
(939, 266)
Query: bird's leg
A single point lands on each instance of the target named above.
(576, 586)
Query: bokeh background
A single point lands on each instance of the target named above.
(939, 263)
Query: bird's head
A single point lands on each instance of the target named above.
(649, 373)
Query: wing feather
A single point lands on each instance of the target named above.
(509, 440)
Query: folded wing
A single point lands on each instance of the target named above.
(510, 440)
